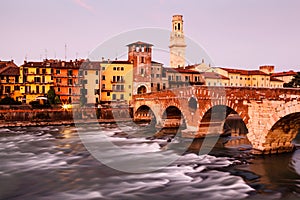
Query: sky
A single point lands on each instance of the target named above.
(233, 33)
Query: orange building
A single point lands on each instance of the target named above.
(67, 84)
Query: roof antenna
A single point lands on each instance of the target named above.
(46, 53)
(65, 52)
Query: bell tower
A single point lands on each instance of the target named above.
(177, 43)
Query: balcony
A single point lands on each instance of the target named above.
(106, 90)
(117, 81)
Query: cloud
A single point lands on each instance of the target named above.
(84, 5)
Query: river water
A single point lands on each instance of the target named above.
(53, 163)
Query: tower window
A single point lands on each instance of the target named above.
(179, 26)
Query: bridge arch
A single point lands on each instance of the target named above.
(145, 114)
(173, 117)
(213, 121)
(279, 138)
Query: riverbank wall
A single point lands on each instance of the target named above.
(46, 117)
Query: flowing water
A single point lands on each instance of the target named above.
(52, 163)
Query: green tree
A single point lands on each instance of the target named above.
(9, 101)
(51, 96)
(295, 82)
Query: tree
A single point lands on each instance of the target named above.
(51, 96)
(295, 82)
(9, 101)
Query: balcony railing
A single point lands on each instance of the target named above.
(117, 81)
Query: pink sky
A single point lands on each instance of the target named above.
(235, 33)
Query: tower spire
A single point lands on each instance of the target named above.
(177, 43)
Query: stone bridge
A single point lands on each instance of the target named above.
(271, 115)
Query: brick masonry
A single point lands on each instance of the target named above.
(272, 116)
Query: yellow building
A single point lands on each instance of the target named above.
(36, 78)
(248, 78)
(116, 81)
(10, 80)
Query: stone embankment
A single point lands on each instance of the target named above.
(48, 117)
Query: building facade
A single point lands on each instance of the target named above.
(10, 80)
(140, 55)
(116, 82)
(37, 79)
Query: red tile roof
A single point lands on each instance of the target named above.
(9, 68)
(289, 73)
(181, 70)
(244, 72)
(275, 79)
(140, 43)
(214, 75)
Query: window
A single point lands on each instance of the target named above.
(103, 86)
(37, 79)
(97, 72)
(114, 68)
(80, 73)
(157, 75)
(96, 91)
(37, 70)
(114, 96)
(142, 59)
(231, 77)
(37, 89)
(142, 71)
(129, 86)
(58, 89)
(164, 86)
(122, 96)
(43, 71)
(108, 94)
(97, 82)
(16, 87)
(85, 72)
(103, 68)
(58, 71)
(70, 90)
(70, 82)
(122, 68)
(262, 78)
(103, 78)
(43, 89)
(51, 71)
